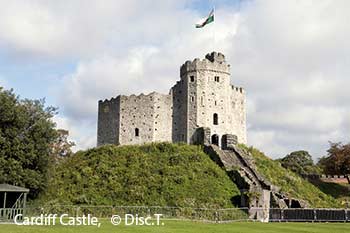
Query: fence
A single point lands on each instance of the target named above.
(9, 213)
(200, 214)
(309, 215)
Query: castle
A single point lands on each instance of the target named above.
(203, 99)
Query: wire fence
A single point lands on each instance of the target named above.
(200, 214)
(310, 215)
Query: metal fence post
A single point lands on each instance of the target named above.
(315, 215)
(282, 215)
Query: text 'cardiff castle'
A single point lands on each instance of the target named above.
(203, 102)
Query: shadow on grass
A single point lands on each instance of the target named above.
(334, 189)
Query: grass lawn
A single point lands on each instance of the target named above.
(186, 226)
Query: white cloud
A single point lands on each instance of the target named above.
(79, 132)
(83, 29)
(291, 56)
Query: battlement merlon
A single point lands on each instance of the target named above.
(212, 62)
(133, 97)
(238, 89)
(108, 101)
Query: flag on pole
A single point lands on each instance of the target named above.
(207, 20)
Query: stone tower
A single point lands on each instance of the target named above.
(202, 98)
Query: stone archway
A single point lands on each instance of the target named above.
(215, 139)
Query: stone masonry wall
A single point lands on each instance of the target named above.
(136, 112)
(149, 114)
(207, 92)
(237, 117)
(179, 123)
(163, 111)
(108, 122)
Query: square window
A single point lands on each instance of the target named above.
(192, 78)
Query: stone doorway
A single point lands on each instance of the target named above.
(215, 139)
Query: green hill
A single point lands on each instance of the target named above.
(163, 174)
(289, 182)
(159, 174)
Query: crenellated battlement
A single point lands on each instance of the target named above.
(105, 101)
(238, 89)
(212, 62)
(134, 97)
(216, 57)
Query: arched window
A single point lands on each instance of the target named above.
(215, 139)
(137, 132)
(215, 119)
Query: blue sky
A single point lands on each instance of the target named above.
(292, 57)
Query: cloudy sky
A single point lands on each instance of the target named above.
(292, 57)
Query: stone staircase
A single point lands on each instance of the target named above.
(257, 193)
(255, 190)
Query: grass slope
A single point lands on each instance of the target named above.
(158, 174)
(187, 226)
(340, 191)
(291, 183)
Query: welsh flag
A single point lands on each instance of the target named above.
(207, 20)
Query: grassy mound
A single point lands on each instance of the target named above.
(158, 174)
(291, 183)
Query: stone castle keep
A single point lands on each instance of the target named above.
(201, 108)
(203, 98)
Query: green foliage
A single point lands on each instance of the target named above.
(61, 147)
(338, 160)
(26, 133)
(300, 162)
(289, 182)
(157, 174)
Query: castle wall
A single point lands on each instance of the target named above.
(163, 111)
(238, 113)
(136, 112)
(179, 123)
(108, 122)
(149, 114)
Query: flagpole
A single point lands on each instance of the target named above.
(214, 39)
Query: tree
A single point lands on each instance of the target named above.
(62, 147)
(26, 135)
(338, 160)
(300, 162)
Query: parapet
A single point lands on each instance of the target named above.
(216, 57)
(238, 89)
(134, 97)
(212, 62)
(106, 101)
